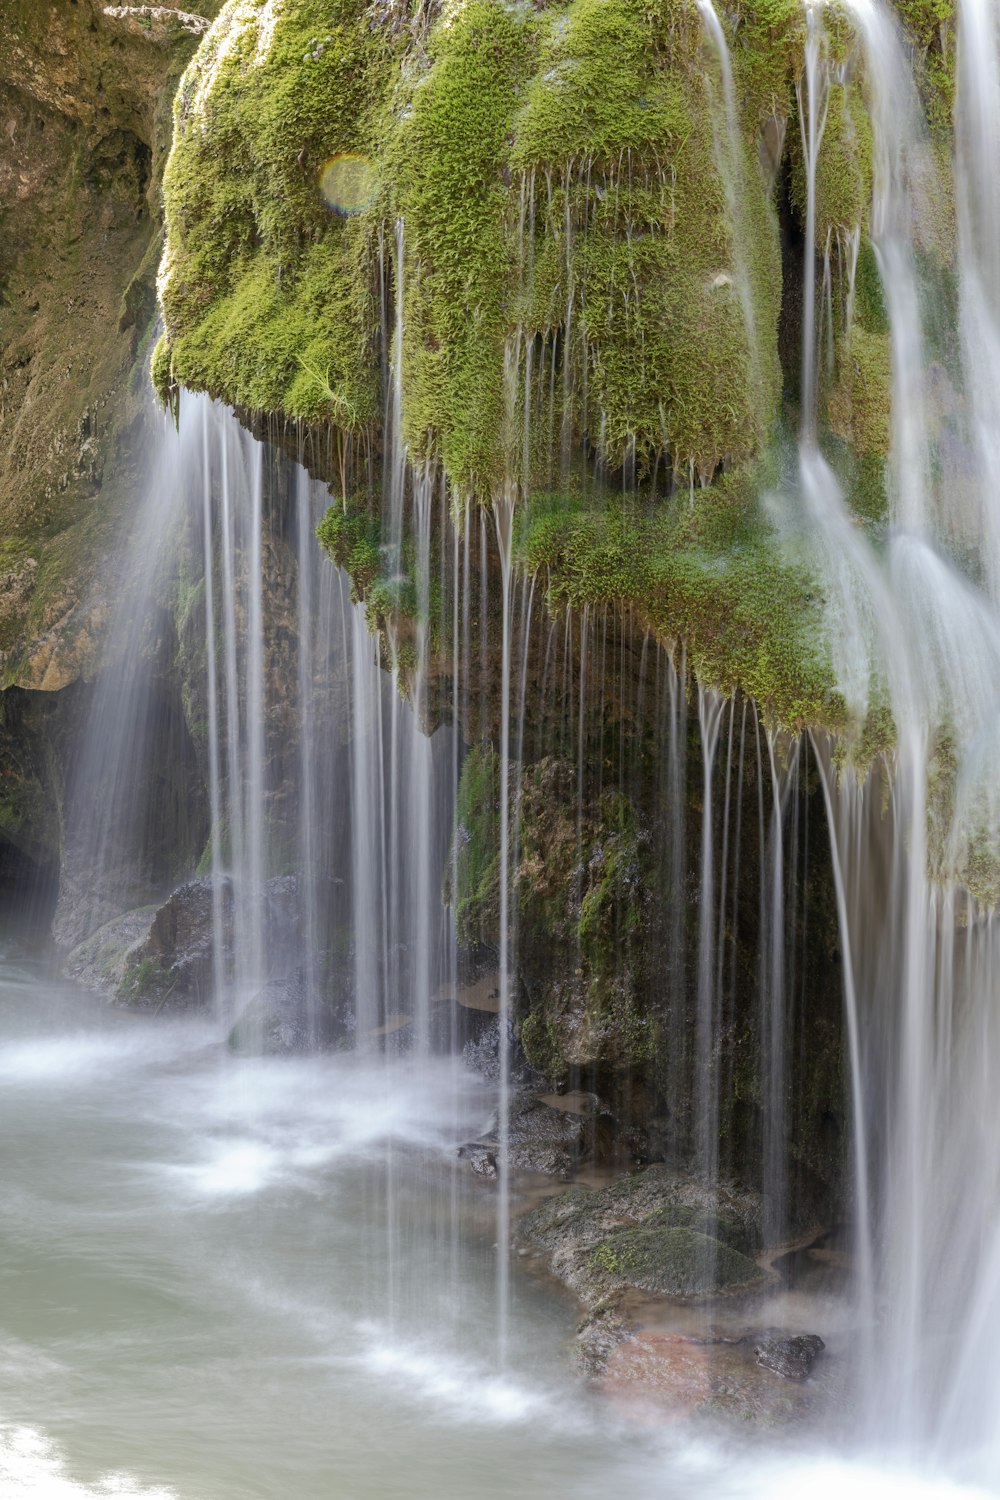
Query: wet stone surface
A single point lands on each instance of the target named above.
(791, 1357)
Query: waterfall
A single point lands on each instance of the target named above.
(919, 953)
(977, 140)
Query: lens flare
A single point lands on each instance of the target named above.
(348, 183)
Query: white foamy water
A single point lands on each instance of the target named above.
(229, 1280)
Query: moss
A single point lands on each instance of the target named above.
(676, 1261)
(476, 861)
(267, 295)
(140, 982)
(843, 167)
(709, 573)
(861, 402)
(931, 24)
(449, 163)
(652, 279)
(633, 273)
(352, 538)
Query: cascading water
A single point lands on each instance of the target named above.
(332, 819)
(919, 953)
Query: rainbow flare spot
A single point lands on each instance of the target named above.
(348, 183)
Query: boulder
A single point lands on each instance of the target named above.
(657, 1231)
(542, 1139)
(791, 1357)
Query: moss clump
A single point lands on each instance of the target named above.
(860, 403)
(676, 1261)
(267, 295)
(448, 160)
(710, 573)
(931, 25)
(844, 166)
(352, 537)
(585, 256)
(649, 279)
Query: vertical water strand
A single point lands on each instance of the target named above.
(737, 848)
(255, 722)
(581, 752)
(234, 829)
(420, 919)
(772, 994)
(396, 468)
(843, 807)
(710, 711)
(307, 813)
(977, 148)
(720, 940)
(677, 893)
(504, 519)
(459, 690)
(913, 1123)
(728, 152)
(812, 123)
(902, 159)
(367, 834)
(214, 748)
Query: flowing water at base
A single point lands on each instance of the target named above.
(198, 1245)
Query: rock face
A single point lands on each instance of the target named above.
(85, 123)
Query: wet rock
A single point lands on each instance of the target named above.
(791, 1357)
(598, 1336)
(275, 1021)
(482, 1051)
(658, 1256)
(659, 1373)
(176, 961)
(102, 960)
(541, 1139)
(657, 1231)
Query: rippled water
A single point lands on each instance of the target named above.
(224, 1280)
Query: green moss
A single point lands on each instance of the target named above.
(634, 275)
(449, 163)
(476, 861)
(559, 178)
(711, 574)
(860, 405)
(267, 295)
(843, 167)
(352, 538)
(141, 981)
(676, 1261)
(931, 24)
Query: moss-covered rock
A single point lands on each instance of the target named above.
(545, 187)
(673, 1261)
(657, 1231)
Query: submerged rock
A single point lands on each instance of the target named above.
(791, 1357)
(658, 1373)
